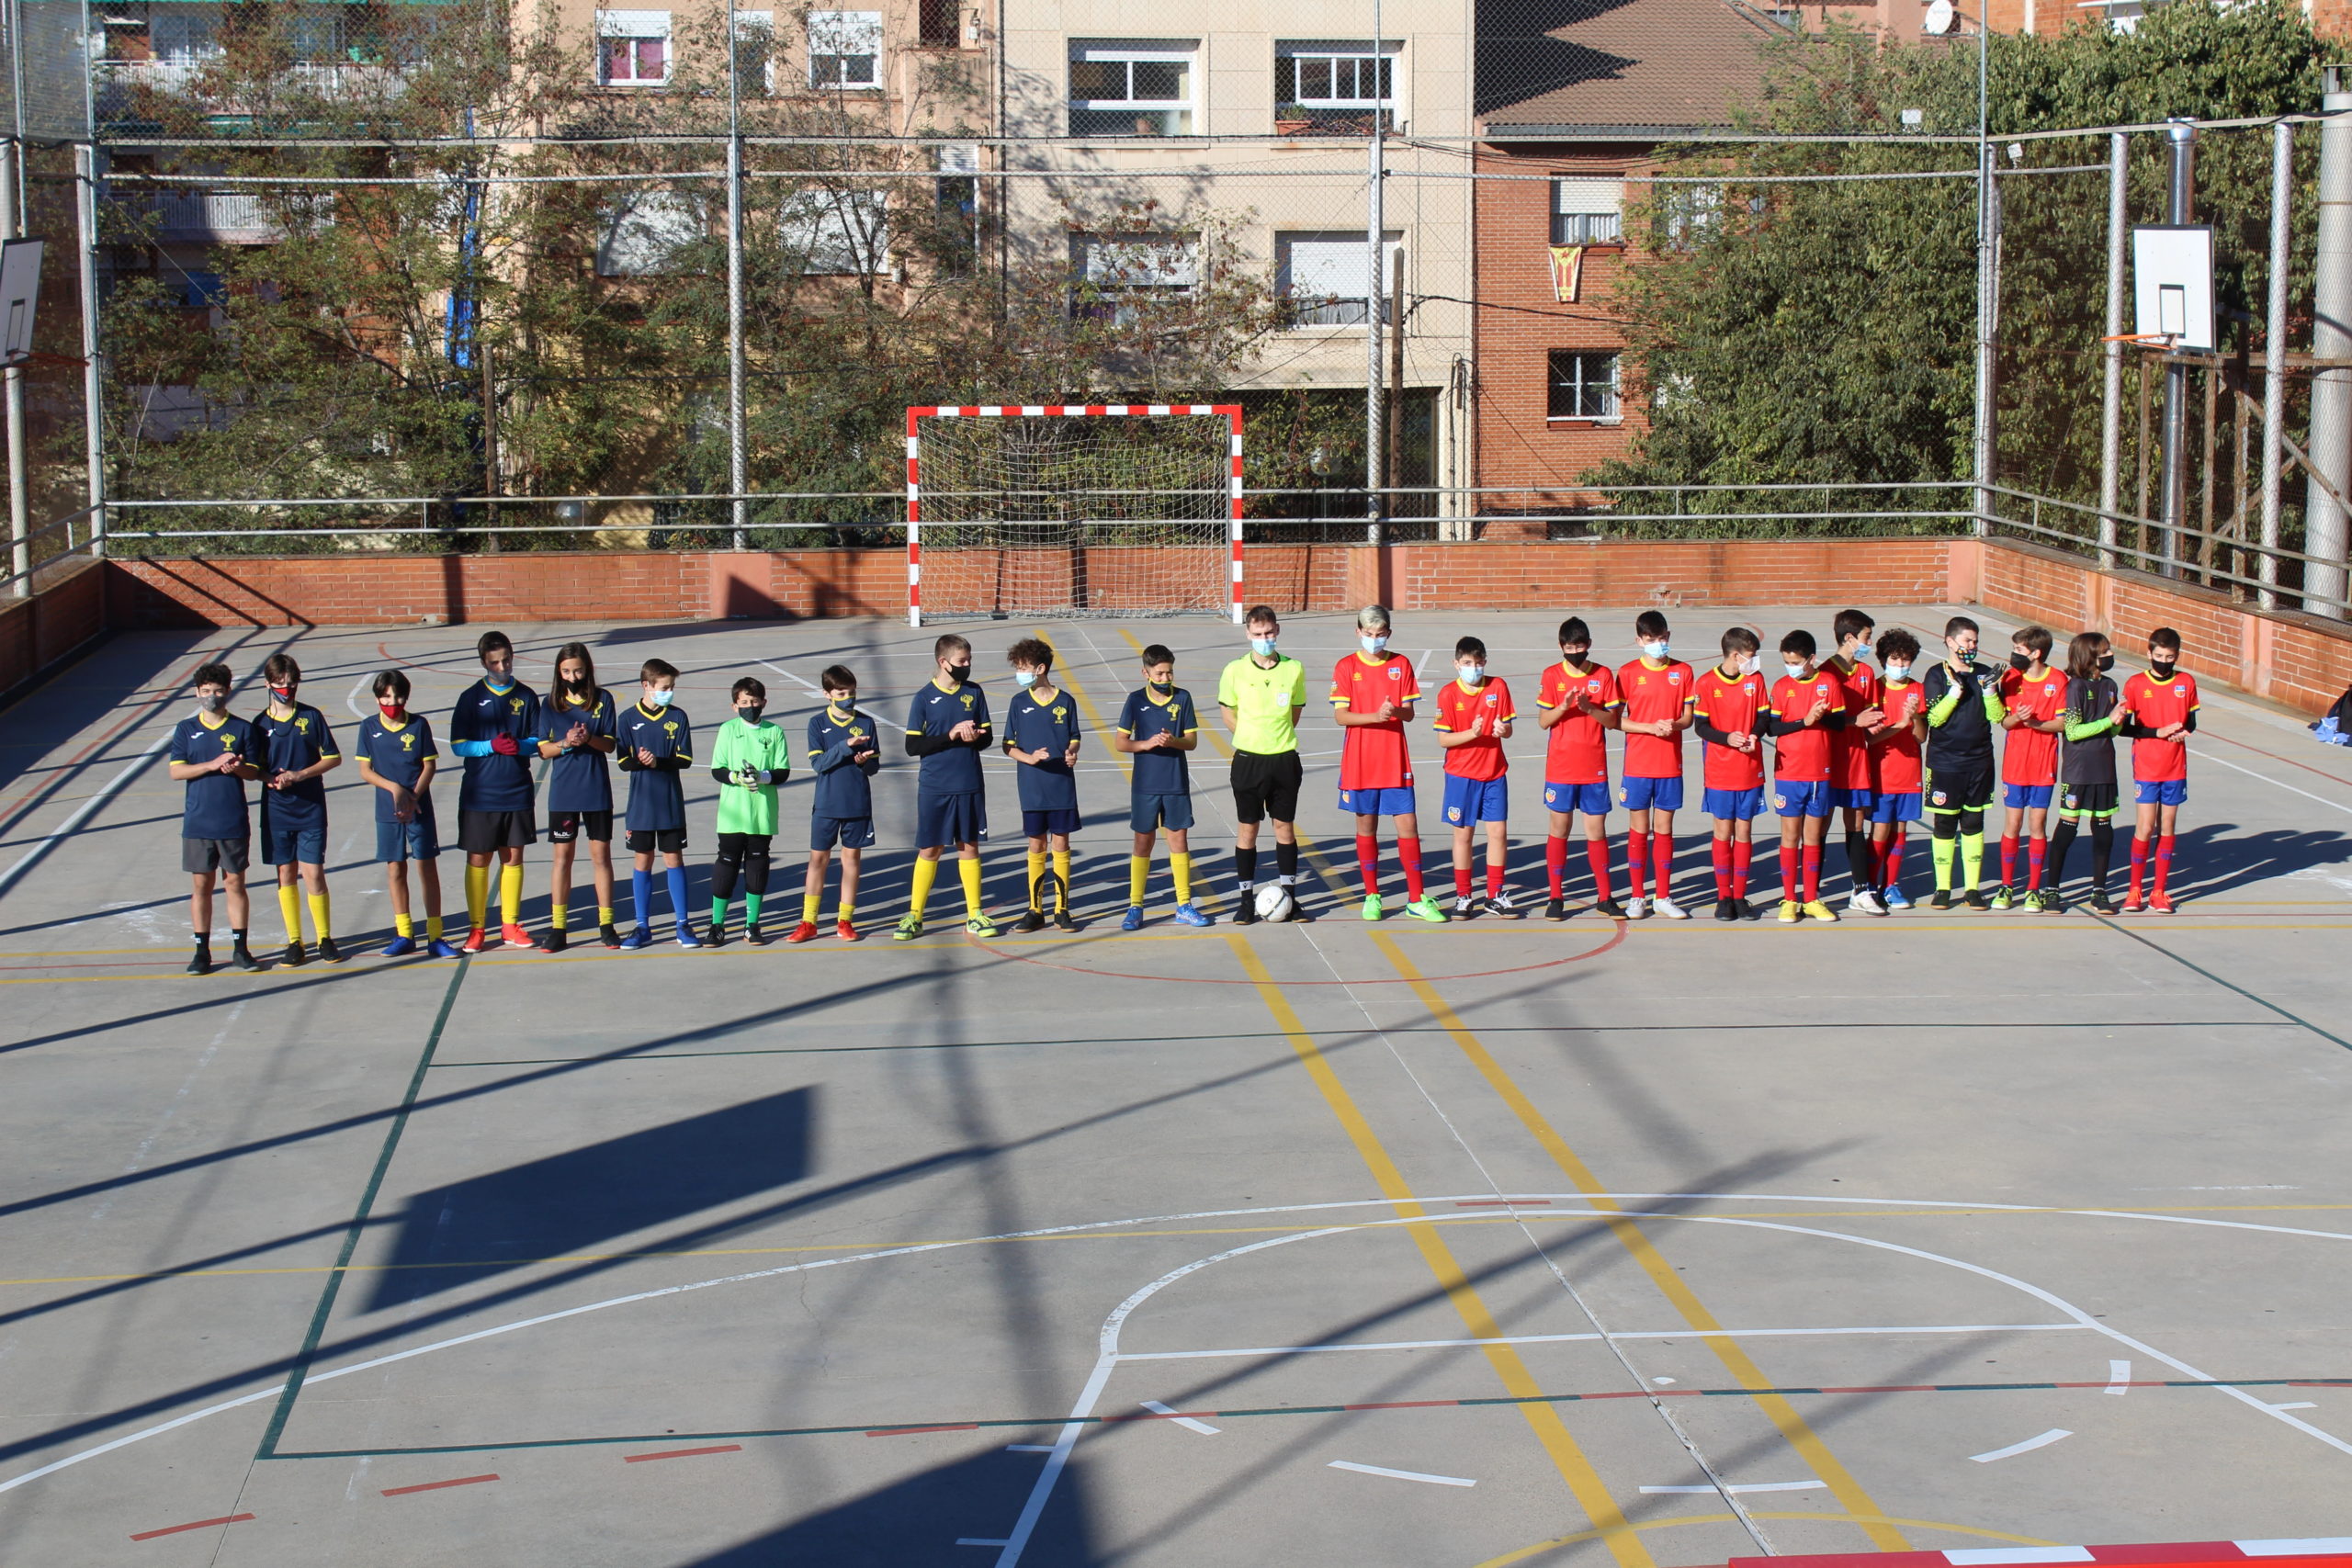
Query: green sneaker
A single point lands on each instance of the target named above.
(1372, 909)
(2001, 897)
(909, 928)
(981, 925)
(1426, 909)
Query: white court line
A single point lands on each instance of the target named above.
(2026, 1447)
(820, 691)
(2313, 1546)
(2298, 1404)
(2209, 757)
(88, 810)
(2119, 1377)
(1186, 1422)
(1400, 1474)
(1587, 1338)
(1751, 1486)
(1985, 1556)
(351, 697)
(976, 1540)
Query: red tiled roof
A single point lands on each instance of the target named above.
(1582, 67)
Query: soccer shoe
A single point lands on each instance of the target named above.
(1637, 908)
(1372, 909)
(1609, 908)
(642, 937)
(328, 951)
(2001, 896)
(2160, 903)
(804, 931)
(474, 940)
(440, 949)
(1896, 898)
(1499, 906)
(1942, 899)
(753, 935)
(1726, 909)
(2131, 905)
(1555, 909)
(713, 935)
(294, 957)
(1821, 912)
(845, 932)
(1030, 920)
(1428, 910)
(1189, 915)
(1862, 901)
(202, 963)
(1668, 909)
(242, 957)
(515, 936)
(1299, 915)
(557, 940)
(1062, 921)
(981, 925)
(2050, 904)
(1791, 911)
(1133, 920)
(609, 935)
(1245, 913)
(400, 947)
(2101, 904)
(909, 928)
(1975, 901)
(1465, 907)
(685, 934)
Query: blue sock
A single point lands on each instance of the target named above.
(640, 886)
(678, 894)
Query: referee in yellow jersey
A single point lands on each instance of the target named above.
(1262, 693)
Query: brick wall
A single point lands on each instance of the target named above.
(66, 612)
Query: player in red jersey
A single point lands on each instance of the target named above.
(1372, 692)
(1808, 703)
(1578, 704)
(1474, 720)
(1850, 785)
(1898, 774)
(1731, 711)
(2036, 697)
(1656, 692)
(2159, 711)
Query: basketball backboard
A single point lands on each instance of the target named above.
(20, 291)
(2172, 286)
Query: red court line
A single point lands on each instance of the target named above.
(437, 1485)
(196, 1525)
(944, 1427)
(683, 1453)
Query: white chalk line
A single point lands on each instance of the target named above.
(1749, 1486)
(2119, 1377)
(1187, 1422)
(2044, 1441)
(1684, 1333)
(1381, 1470)
(818, 691)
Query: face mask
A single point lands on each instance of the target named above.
(282, 696)
(1374, 644)
(1263, 647)
(2020, 660)
(1656, 651)
(1797, 672)
(749, 713)
(959, 673)
(580, 688)
(1899, 671)
(499, 682)
(1026, 677)
(1474, 674)
(391, 710)
(213, 702)
(659, 699)
(2105, 662)
(844, 703)
(1151, 686)
(2162, 669)
(1749, 664)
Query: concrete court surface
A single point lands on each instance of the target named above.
(1458, 1245)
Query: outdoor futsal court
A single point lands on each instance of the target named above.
(1462, 1245)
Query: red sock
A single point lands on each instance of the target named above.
(1722, 867)
(1637, 860)
(1661, 862)
(1462, 882)
(1789, 872)
(1813, 873)
(2037, 852)
(1494, 879)
(1877, 863)
(2008, 860)
(1556, 862)
(1408, 850)
(2163, 861)
(1743, 852)
(1368, 863)
(2139, 862)
(1893, 869)
(1596, 850)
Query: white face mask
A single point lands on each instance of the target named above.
(1899, 671)
(1656, 651)
(1749, 664)
(1375, 644)
(1797, 672)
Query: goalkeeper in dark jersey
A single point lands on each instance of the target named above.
(2086, 787)
(1965, 707)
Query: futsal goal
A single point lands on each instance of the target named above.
(1066, 510)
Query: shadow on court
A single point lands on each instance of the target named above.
(917, 1521)
(570, 1202)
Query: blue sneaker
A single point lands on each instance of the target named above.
(400, 947)
(1186, 915)
(1894, 898)
(686, 937)
(440, 949)
(1133, 921)
(641, 936)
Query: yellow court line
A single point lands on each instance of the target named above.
(1584, 1482)
(1068, 683)
(1541, 1547)
(1783, 1416)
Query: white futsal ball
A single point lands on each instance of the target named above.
(1274, 902)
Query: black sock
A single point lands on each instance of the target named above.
(2062, 839)
(204, 938)
(2102, 852)
(1286, 860)
(1858, 859)
(1245, 865)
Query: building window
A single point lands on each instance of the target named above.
(633, 47)
(1325, 277)
(756, 52)
(939, 23)
(845, 49)
(1327, 87)
(837, 232)
(1688, 214)
(1116, 275)
(644, 231)
(1131, 88)
(1584, 386)
(1587, 211)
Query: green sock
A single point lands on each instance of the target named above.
(1972, 858)
(1939, 850)
(750, 909)
(717, 913)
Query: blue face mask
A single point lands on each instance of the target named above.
(1656, 651)
(659, 699)
(1263, 647)
(1026, 677)
(1474, 674)
(1374, 644)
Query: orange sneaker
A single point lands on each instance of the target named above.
(515, 936)
(847, 932)
(2161, 903)
(804, 931)
(473, 941)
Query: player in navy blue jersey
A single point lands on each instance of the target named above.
(1157, 727)
(657, 746)
(397, 756)
(578, 729)
(1041, 736)
(212, 753)
(296, 751)
(845, 753)
(495, 728)
(948, 726)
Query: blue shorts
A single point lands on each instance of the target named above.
(284, 845)
(2028, 797)
(1593, 800)
(1377, 802)
(1842, 798)
(1062, 819)
(1650, 794)
(1733, 804)
(1477, 800)
(849, 833)
(1806, 798)
(1150, 813)
(2165, 792)
(415, 839)
(945, 819)
(1900, 807)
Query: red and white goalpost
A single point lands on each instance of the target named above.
(1058, 510)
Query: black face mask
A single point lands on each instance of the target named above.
(959, 673)
(2105, 662)
(2162, 669)
(749, 714)
(2020, 662)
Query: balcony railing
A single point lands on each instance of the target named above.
(200, 217)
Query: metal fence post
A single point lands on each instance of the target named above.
(85, 223)
(20, 518)
(2110, 429)
(737, 468)
(2274, 375)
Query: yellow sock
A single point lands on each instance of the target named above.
(510, 894)
(926, 871)
(810, 904)
(1138, 873)
(969, 870)
(289, 905)
(1061, 879)
(1036, 871)
(1180, 866)
(403, 926)
(845, 913)
(433, 928)
(604, 915)
(321, 919)
(559, 913)
(477, 894)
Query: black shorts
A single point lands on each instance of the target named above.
(202, 857)
(1266, 786)
(563, 827)
(480, 832)
(645, 841)
(741, 845)
(1966, 786)
(2095, 799)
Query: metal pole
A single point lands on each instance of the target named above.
(1395, 464)
(85, 223)
(2331, 434)
(1375, 225)
(1987, 301)
(737, 472)
(2110, 428)
(2180, 204)
(2274, 376)
(20, 524)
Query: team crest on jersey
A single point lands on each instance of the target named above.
(303, 725)
(967, 701)
(1059, 713)
(408, 742)
(670, 729)
(1396, 671)
(1941, 798)
(514, 705)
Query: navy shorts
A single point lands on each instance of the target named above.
(1062, 819)
(1842, 799)
(303, 844)
(2028, 797)
(1477, 800)
(943, 821)
(849, 833)
(1150, 813)
(1806, 797)
(1901, 807)
(2163, 792)
(415, 839)
(1734, 804)
(1378, 801)
(1593, 800)
(1650, 794)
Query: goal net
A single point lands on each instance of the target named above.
(1051, 510)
